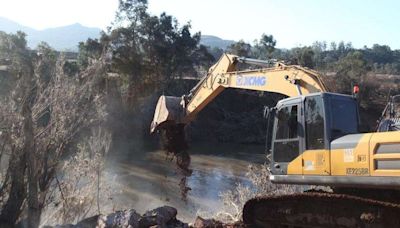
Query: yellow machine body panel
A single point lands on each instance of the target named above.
(352, 161)
(311, 162)
(373, 154)
(296, 166)
(385, 154)
(316, 162)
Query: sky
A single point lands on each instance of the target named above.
(292, 22)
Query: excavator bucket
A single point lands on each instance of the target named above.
(168, 110)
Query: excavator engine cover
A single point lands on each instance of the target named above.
(168, 110)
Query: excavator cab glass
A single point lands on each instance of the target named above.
(285, 145)
(344, 117)
(269, 115)
(309, 123)
(314, 122)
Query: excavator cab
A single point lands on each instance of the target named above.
(303, 129)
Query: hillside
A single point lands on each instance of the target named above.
(60, 38)
(214, 41)
(67, 37)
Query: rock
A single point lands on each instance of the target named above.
(134, 218)
(61, 226)
(158, 217)
(120, 219)
(88, 222)
(207, 223)
(85, 223)
(177, 224)
(162, 217)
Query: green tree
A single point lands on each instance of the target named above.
(89, 50)
(350, 70)
(319, 49)
(240, 48)
(215, 52)
(380, 54)
(303, 56)
(148, 51)
(46, 63)
(264, 47)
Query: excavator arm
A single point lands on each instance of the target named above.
(289, 80)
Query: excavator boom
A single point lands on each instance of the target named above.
(289, 80)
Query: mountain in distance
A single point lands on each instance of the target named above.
(214, 41)
(60, 38)
(9, 26)
(67, 37)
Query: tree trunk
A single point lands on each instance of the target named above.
(33, 157)
(13, 207)
(26, 157)
(34, 208)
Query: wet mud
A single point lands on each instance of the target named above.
(144, 178)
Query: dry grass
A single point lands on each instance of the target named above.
(235, 199)
(80, 188)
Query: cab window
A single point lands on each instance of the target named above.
(286, 144)
(287, 123)
(344, 119)
(314, 123)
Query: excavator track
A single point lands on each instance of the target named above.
(313, 209)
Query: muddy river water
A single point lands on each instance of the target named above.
(144, 178)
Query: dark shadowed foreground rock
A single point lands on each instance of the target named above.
(203, 223)
(212, 223)
(162, 217)
(128, 218)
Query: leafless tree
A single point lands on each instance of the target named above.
(40, 122)
(78, 187)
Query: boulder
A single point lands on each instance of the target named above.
(207, 223)
(162, 217)
(120, 219)
(158, 217)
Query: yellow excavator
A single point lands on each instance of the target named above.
(313, 139)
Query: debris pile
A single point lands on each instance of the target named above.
(162, 217)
